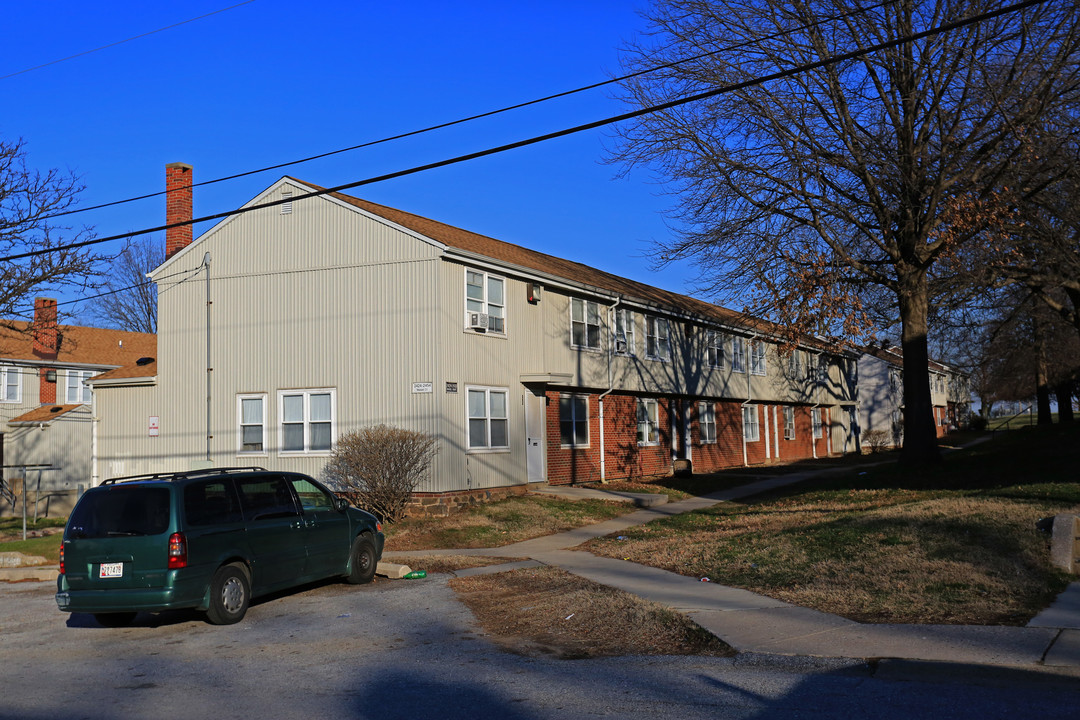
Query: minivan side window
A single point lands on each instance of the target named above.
(211, 503)
(266, 497)
(312, 497)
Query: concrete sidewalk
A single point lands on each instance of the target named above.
(757, 624)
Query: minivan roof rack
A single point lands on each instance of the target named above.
(182, 474)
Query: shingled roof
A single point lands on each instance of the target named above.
(77, 345)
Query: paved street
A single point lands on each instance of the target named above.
(401, 649)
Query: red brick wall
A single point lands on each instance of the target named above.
(178, 207)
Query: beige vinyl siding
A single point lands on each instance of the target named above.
(63, 443)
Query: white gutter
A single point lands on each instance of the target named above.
(611, 386)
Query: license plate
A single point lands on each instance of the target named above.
(111, 570)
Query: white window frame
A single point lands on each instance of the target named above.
(7, 374)
(85, 393)
(624, 328)
(648, 415)
(816, 424)
(738, 354)
(588, 308)
(795, 364)
(488, 418)
(240, 424)
(574, 399)
(707, 423)
(306, 394)
(657, 338)
(494, 310)
(789, 423)
(757, 357)
(751, 426)
(715, 349)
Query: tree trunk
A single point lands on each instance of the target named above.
(1063, 392)
(920, 436)
(1042, 381)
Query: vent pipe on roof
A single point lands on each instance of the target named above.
(178, 209)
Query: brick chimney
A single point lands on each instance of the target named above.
(46, 334)
(178, 179)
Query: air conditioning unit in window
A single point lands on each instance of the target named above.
(478, 321)
(620, 344)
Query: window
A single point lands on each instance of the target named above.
(707, 421)
(750, 430)
(648, 421)
(795, 365)
(77, 389)
(307, 421)
(584, 324)
(485, 294)
(574, 420)
(815, 423)
(822, 369)
(657, 339)
(251, 418)
(714, 349)
(757, 357)
(9, 384)
(624, 332)
(487, 419)
(738, 354)
(789, 423)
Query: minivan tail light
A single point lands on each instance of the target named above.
(177, 551)
(61, 558)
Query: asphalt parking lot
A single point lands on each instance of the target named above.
(410, 649)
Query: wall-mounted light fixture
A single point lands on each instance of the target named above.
(50, 376)
(533, 292)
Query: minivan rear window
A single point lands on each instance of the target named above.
(121, 511)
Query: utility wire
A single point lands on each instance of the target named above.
(121, 42)
(832, 60)
(490, 113)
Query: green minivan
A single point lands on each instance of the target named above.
(208, 539)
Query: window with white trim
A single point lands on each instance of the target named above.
(757, 357)
(307, 422)
(624, 332)
(738, 354)
(750, 430)
(657, 338)
(789, 423)
(714, 349)
(584, 324)
(815, 423)
(77, 389)
(486, 294)
(487, 418)
(707, 422)
(10, 385)
(251, 424)
(574, 420)
(648, 421)
(795, 365)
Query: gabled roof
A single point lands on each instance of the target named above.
(132, 371)
(77, 345)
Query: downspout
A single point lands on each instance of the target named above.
(93, 440)
(611, 386)
(749, 397)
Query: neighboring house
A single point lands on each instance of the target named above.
(332, 313)
(45, 402)
(881, 394)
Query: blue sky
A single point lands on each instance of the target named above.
(273, 81)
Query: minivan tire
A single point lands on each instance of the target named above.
(362, 561)
(230, 594)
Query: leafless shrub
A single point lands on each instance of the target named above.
(877, 440)
(379, 467)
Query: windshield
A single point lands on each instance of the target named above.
(120, 511)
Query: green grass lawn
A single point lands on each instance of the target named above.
(47, 546)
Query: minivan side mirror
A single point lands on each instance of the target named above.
(340, 504)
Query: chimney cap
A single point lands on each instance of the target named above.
(180, 165)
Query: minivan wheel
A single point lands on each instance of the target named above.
(363, 562)
(230, 594)
(114, 620)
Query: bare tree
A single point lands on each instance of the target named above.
(127, 300)
(29, 203)
(829, 194)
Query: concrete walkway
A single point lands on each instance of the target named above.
(754, 623)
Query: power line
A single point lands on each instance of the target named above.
(832, 60)
(121, 42)
(480, 116)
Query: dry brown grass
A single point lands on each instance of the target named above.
(500, 523)
(546, 611)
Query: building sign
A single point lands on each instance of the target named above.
(155, 425)
(451, 387)
(421, 387)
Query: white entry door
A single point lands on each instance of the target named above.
(535, 410)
